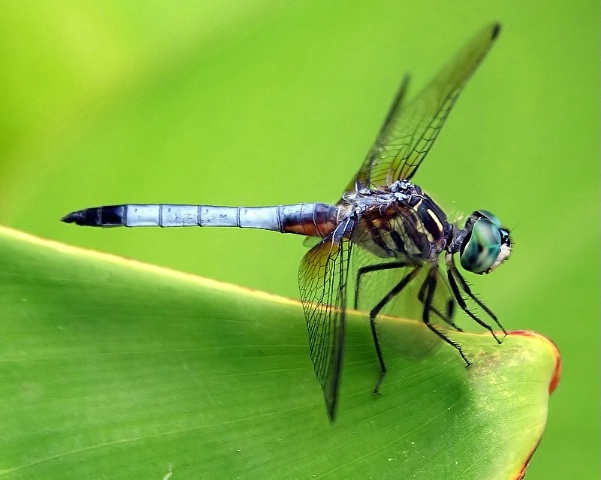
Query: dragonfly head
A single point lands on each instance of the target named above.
(486, 244)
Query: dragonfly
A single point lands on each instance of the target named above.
(383, 236)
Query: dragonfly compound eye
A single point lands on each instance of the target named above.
(485, 246)
(489, 216)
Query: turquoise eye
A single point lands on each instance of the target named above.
(481, 248)
(491, 216)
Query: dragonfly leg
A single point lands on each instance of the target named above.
(429, 286)
(448, 317)
(373, 268)
(454, 276)
(377, 309)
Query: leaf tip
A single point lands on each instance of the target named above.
(555, 377)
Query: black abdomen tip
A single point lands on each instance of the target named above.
(73, 217)
(111, 216)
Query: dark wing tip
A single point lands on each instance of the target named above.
(331, 408)
(496, 29)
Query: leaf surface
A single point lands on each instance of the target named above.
(113, 368)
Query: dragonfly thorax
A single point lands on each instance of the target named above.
(366, 198)
(399, 221)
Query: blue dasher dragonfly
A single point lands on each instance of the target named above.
(384, 229)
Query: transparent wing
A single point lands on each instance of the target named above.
(310, 242)
(410, 129)
(322, 279)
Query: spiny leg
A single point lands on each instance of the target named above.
(430, 283)
(467, 290)
(448, 318)
(451, 275)
(377, 309)
(374, 268)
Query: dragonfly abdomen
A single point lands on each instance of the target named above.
(304, 218)
(311, 219)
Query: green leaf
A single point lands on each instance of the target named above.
(117, 369)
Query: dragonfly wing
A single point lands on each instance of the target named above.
(411, 128)
(361, 180)
(322, 279)
(310, 242)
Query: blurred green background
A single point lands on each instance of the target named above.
(270, 102)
